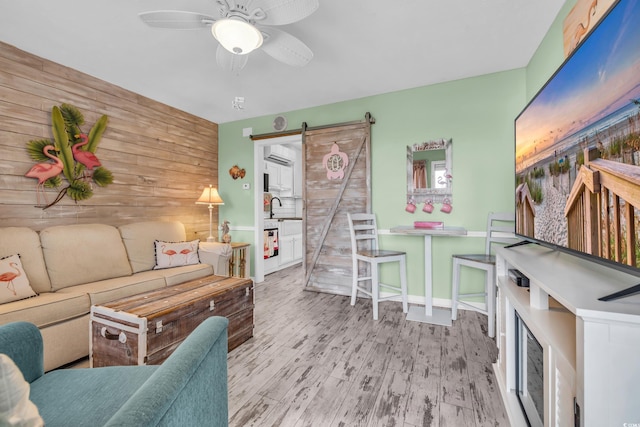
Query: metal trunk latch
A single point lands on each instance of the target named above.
(158, 326)
(212, 305)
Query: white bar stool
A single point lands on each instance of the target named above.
(364, 247)
(497, 225)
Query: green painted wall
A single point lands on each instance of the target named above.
(478, 113)
(549, 55)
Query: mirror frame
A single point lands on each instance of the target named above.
(436, 195)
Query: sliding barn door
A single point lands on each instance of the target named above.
(337, 180)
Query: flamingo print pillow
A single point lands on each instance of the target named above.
(175, 254)
(14, 284)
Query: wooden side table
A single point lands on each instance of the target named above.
(238, 265)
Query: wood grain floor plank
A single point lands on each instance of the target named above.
(253, 412)
(455, 378)
(487, 411)
(357, 407)
(423, 398)
(315, 361)
(390, 407)
(406, 347)
(296, 400)
(429, 350)
(353, 360)
(243, 386)
(476, 347)
(455, 416)
(325, 405)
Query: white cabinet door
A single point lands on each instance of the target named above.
(297, 248)
(274, 175)
(290, 250)
(280, 179)
(286, 181)
(286, 250)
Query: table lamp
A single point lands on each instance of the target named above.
(210, 197)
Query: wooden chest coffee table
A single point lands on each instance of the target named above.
(145, 328)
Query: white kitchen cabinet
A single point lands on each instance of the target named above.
(290, 250)
(286, 181)
(280, 178)
(290, 242)
(286, 250)
(273, 169)
(297, 248)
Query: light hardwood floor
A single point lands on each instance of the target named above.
(316, 361)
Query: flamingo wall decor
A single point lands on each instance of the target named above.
(74, 157)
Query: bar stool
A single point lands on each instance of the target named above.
(500, 222)
(364, 247)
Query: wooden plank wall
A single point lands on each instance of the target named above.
(161, 158)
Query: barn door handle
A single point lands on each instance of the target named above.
(122, 337)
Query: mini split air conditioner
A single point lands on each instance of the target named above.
(279, 154)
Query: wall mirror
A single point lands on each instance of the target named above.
(429, 171)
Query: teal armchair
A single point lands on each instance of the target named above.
(188, 389)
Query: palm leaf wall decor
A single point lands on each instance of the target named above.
(74, 157)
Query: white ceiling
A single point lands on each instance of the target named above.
(361, 48)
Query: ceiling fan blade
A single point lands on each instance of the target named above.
(285, 48)
(229, 61)
(282, 12)
(176, 19)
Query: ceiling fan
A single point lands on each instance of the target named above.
(240, 26)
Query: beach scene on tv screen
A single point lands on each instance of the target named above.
(578, 146)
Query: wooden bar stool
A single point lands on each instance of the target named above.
(365, 248)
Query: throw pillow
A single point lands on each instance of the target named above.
(175, 254)
(14, 284)
(15, 407)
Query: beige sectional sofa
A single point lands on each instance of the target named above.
(71, 267)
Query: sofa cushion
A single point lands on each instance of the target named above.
(81, 392)
(139, 240)
(15, 407)
(112, 289)
(46, 309)
(26, 242)
(175, 254)
(83, 253)
(177, 275)
(14, 284)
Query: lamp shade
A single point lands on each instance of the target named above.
(236, 36)
(210, 196)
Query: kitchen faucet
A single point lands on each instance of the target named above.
(271, 206)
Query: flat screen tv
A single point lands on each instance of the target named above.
(577, 148)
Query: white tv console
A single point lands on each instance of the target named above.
(591, 349)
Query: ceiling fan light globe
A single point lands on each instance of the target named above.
(237, 36)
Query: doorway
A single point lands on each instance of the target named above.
(293, 142)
